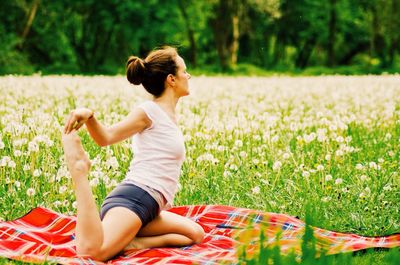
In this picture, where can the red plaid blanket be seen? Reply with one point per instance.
(43, 234)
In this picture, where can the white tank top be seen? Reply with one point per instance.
(159, 152)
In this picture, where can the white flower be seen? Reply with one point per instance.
(33, 147)
(338, 181)
(238, 143)
(328, 177)
(277, 165)
(387, 187)
(233, 167)
(286, 156)
(75, 204)
(328, 157)
(359, 166)
(305, 174)
(17, 153)
(62, 189)
(2, 145)
(37, 172)
(326, 199)
(94, 182)
(112, 162)
(26, 167)
(381, 160)
(320, 167)
(30, 192)
(363, 178)
(373, 165)
(11, 164)
(339, 139)
(391, 153)
(17, 184)
(255, 161)
(243, 154)
(275, 139)
(255, 190)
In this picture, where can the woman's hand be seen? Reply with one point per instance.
(77, 118)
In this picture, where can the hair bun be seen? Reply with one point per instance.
(135, 70)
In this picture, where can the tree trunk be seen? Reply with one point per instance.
(332, 33)
(305, 53)
(235, 39)
(30, 17)
(221, 25)
(190, 32)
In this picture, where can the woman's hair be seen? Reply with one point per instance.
(153, 70)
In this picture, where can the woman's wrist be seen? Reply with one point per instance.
(91, 115)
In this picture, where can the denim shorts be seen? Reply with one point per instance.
(133, 198)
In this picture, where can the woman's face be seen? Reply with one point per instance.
(182, 78)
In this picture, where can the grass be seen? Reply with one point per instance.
(273, 144)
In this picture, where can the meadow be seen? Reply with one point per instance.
(275, 144)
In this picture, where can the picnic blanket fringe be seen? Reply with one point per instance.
(45, 235)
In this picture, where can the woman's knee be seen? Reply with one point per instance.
(197, 234)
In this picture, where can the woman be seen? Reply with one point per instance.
(132, 214)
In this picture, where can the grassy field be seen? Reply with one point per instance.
(274, 144)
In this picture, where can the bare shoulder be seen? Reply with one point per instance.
(140, 117)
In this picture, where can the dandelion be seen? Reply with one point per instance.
(255, 190)
(30, 192)
(277, 165)
(17, 153)
(391, 153)
(11, 164)
(17, 184)
(238, 143)
(320, 167)
(373, 165)
(2, 145)
(359, 167)
(275, 139)
(243, 154)
(328, 178)
(387, 187)
(326, 199)
(94, 182)
(33, 147)
(62, 189)
(363, 178)
(75, 204)
(233, 167)
(328, 157)
(338, 181)
(37, 172)
(381, 160)
(255, 161)
(112, 162)
(305, 174)
(26, 167)
(286, 156)
(339, 139)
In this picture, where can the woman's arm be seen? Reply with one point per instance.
(135, 122)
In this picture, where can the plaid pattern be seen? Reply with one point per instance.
(43, 234)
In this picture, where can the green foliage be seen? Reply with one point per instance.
(91, 37)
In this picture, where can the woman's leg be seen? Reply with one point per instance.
(168, 230)
(100, 240)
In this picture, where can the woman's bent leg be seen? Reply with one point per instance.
(168, 230)
(100, 240)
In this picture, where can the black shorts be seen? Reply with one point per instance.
(135, 199)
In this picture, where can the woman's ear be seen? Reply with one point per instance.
(170, 80)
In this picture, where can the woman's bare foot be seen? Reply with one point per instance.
(77, 160)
